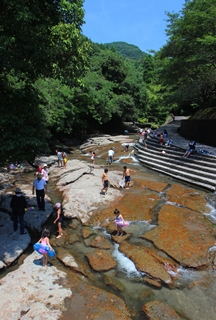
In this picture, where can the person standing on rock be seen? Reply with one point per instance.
(119, 221)
(44, 240)
(18, 205)
(45, 173)
(60, 159)
(110, 156)
(92, 153)
(126, 176)
(41, 188)
(59, 219)
(105, 181)
(64, 157)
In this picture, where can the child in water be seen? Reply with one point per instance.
(59, 219)
(44, 240)
(119, 221)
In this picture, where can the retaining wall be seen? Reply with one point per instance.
(203, 131)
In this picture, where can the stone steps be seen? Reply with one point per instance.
(198, 169)
(177, 159)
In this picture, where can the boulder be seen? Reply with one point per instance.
(101, 260)
(101, 243)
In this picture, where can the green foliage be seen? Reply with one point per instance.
(40, 42)
(189, 56)
(127, 50)
(23, 133)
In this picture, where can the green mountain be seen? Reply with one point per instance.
(127, 50)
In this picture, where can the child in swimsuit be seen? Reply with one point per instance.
(59, 219)
(44, 240)
(119, 221)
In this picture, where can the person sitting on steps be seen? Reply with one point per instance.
(191, 149)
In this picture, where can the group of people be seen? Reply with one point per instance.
(62, 159)
(126, 177)
(44, 240)
(19, 206)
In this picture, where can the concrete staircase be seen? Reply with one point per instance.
(198, 169)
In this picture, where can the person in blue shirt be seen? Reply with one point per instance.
(41, 188)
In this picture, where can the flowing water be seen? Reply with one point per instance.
(180, 297)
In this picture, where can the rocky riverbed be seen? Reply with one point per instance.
(166, 245)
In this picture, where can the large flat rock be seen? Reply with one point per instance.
(81, 190)
(33, 291)
(183, 234)
(145, 262)
(13, 244)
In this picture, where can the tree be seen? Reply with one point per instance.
(189, 56)
(37, 39)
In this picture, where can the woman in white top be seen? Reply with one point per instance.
(45, 173)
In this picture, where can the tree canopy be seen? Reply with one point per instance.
(37, 39)
(188, 58)
(55, 81)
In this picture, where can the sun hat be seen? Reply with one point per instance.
(58, 205)
(45, 165)
(18, 190)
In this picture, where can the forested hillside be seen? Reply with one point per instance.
(127, 50)
(54, 81)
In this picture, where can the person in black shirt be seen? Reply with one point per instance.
(18, 205)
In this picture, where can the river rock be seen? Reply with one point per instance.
(114, 282)
(152, 282)
(74, 170)
(103, 141)
(13, 244)
(183, 234)
(154, 185)
(120, 239)
(100, 243)
(90, 302)
(6, 181)
(156, 310)
(198, 302)
(144, 262)
(188, 198)
(49, 160)
(101, 260)
(87, 232)
(34, 219)
(73, 238)
(82, 193)
(33, 291)
(141, 208)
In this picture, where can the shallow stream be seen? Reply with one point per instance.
(180, 297)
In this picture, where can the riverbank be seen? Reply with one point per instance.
(169, 233)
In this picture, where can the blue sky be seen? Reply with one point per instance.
(138, 22)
